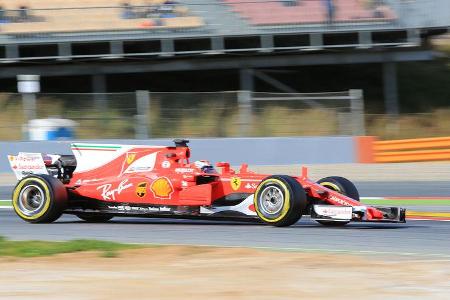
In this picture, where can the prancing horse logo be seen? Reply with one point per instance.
(235, 183)
(130, 158)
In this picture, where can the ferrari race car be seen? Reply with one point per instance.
(102, 181)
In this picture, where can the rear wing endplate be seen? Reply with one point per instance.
(25, 164)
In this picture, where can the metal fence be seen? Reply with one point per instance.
(217, 114)
(210, 17)
(145, 114)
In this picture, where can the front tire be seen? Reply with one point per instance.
(343, 186)
(280, 200)
(39, 199)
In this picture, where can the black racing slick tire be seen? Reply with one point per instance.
(95, 218)
(280, 200)
(39, 198)
(343, 186)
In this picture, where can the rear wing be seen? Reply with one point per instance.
(25, 164)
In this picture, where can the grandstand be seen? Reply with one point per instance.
(310, 12)
(55, 37)
(53, 16)
(224, 25)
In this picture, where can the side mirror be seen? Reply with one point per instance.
(222, 164)
(243, 169)
(225, 167)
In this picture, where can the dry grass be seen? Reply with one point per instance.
(436, 123)
(213, 120)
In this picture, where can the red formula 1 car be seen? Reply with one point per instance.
(100, 181)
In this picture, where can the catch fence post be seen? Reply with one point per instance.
(28, 86)
(245, 112)
(357, 112)
(143, 115)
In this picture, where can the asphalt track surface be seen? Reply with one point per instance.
(423, 238)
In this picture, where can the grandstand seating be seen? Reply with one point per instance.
(92, 15)
(308, 12)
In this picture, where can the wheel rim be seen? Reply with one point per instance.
(332, 187)
(31, 200)
(271, 200)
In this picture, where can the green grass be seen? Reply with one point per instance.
(5, 203)
(45, 248)
(409, 202)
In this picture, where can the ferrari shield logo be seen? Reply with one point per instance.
(235, 183)
(130, 158)
(141, 189)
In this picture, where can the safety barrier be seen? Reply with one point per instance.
(254, 151)
(274, 151)
(412, 150)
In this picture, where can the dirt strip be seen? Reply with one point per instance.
(177, 272)
(7, 179)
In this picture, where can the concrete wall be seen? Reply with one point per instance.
(254, 151)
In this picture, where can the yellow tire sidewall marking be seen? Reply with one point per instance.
(286, 204)
(16, 194)
(331, 186)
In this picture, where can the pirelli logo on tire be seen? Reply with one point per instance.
(280, 200)
(40, 194)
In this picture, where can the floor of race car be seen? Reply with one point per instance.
(183, 272)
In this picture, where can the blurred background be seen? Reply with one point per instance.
(136, 69)
(355, 88)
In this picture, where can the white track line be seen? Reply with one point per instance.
(413, 219)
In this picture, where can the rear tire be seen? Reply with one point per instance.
(343, 186)
(280, 200)
(39, 199)
(95, 218)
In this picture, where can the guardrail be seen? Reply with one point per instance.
(411, 150)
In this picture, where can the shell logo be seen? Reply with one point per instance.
(162, 188)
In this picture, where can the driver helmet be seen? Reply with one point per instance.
(205, 166)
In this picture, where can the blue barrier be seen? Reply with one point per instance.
(254, 151)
